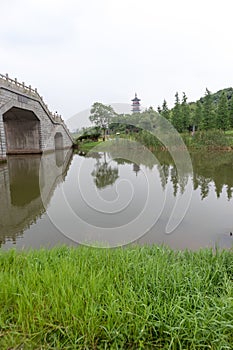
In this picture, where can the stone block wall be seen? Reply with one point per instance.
(13, 96)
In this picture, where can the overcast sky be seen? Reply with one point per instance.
(79, 52)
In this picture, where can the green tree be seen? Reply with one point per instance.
(185, 111)
(177, 114)
(159, 109)
(165, 112)
(101, 115)
(209, 118)
(145, 123)
(197, 116)
(231, 111)
(153, 116)
(150, 110)
(223, 120)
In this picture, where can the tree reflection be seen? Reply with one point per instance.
(215, 168)
(104, 174)
(209, 169)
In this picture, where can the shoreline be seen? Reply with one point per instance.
(87, 147)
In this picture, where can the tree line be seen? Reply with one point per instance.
(213, 111)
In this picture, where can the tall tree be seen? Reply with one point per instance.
(165, 112)
(223, 120)
(159, 109)
(231, 111)
(185, 111)
(177, 114)
(101, 115)
(209, 118)
(197, 117)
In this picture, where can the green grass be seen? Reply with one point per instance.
(87, 146)
(206, 140)
(211, 139)
(133, 298)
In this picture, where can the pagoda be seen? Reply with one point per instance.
(136, 104)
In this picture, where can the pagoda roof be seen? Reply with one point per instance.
(136, 98)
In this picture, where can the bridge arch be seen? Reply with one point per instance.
(15, 134)
(22, 131)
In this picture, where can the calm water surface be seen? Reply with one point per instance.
(65, 198)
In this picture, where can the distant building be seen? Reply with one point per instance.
(136, 104)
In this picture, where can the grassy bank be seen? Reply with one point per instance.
(133, 298)
(87, 145)
(202, 140)
(211, 139)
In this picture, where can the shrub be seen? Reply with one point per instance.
(210, 138)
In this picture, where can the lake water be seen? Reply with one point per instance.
(111, 197)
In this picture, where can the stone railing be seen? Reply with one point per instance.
(28, 90)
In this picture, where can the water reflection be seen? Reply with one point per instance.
(208, 222)
(208, 168)
(20, 181)
(209, 218)
(104, 174)
(24, 180)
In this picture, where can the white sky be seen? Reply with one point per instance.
(78, 52)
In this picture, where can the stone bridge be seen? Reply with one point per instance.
(26, 124)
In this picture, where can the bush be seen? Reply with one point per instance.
(210, 138)
(147, 139)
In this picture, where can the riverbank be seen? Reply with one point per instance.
(86, 146)
(211, 140)
(132, 298)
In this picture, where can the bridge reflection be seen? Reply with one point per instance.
(22, 179)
